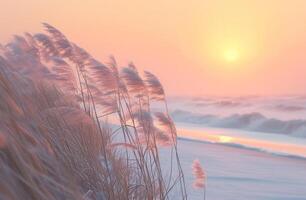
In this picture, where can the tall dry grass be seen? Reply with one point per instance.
(73, 127)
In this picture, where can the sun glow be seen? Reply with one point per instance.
(227, 48)
(231, 55)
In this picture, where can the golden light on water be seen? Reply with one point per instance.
(215, 137)
(225, 139)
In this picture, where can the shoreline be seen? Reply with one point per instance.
(280, 145)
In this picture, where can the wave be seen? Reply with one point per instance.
(221, 104)
(288, 108)
(254, 121)
(235, 145)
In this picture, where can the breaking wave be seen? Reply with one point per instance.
(254, 121)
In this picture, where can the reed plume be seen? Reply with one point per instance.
(200, 176)
(155, 87)
(73, 127)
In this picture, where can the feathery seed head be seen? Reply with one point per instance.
(199, 174)
(155, 88)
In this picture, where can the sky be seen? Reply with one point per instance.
(195, 47)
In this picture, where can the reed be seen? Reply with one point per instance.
(73, 127)
(200, 176)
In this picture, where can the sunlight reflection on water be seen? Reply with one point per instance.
(280, 145)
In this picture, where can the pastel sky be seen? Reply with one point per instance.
(196, 47)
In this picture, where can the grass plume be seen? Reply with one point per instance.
(73, 127)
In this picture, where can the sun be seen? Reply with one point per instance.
(231, 55)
